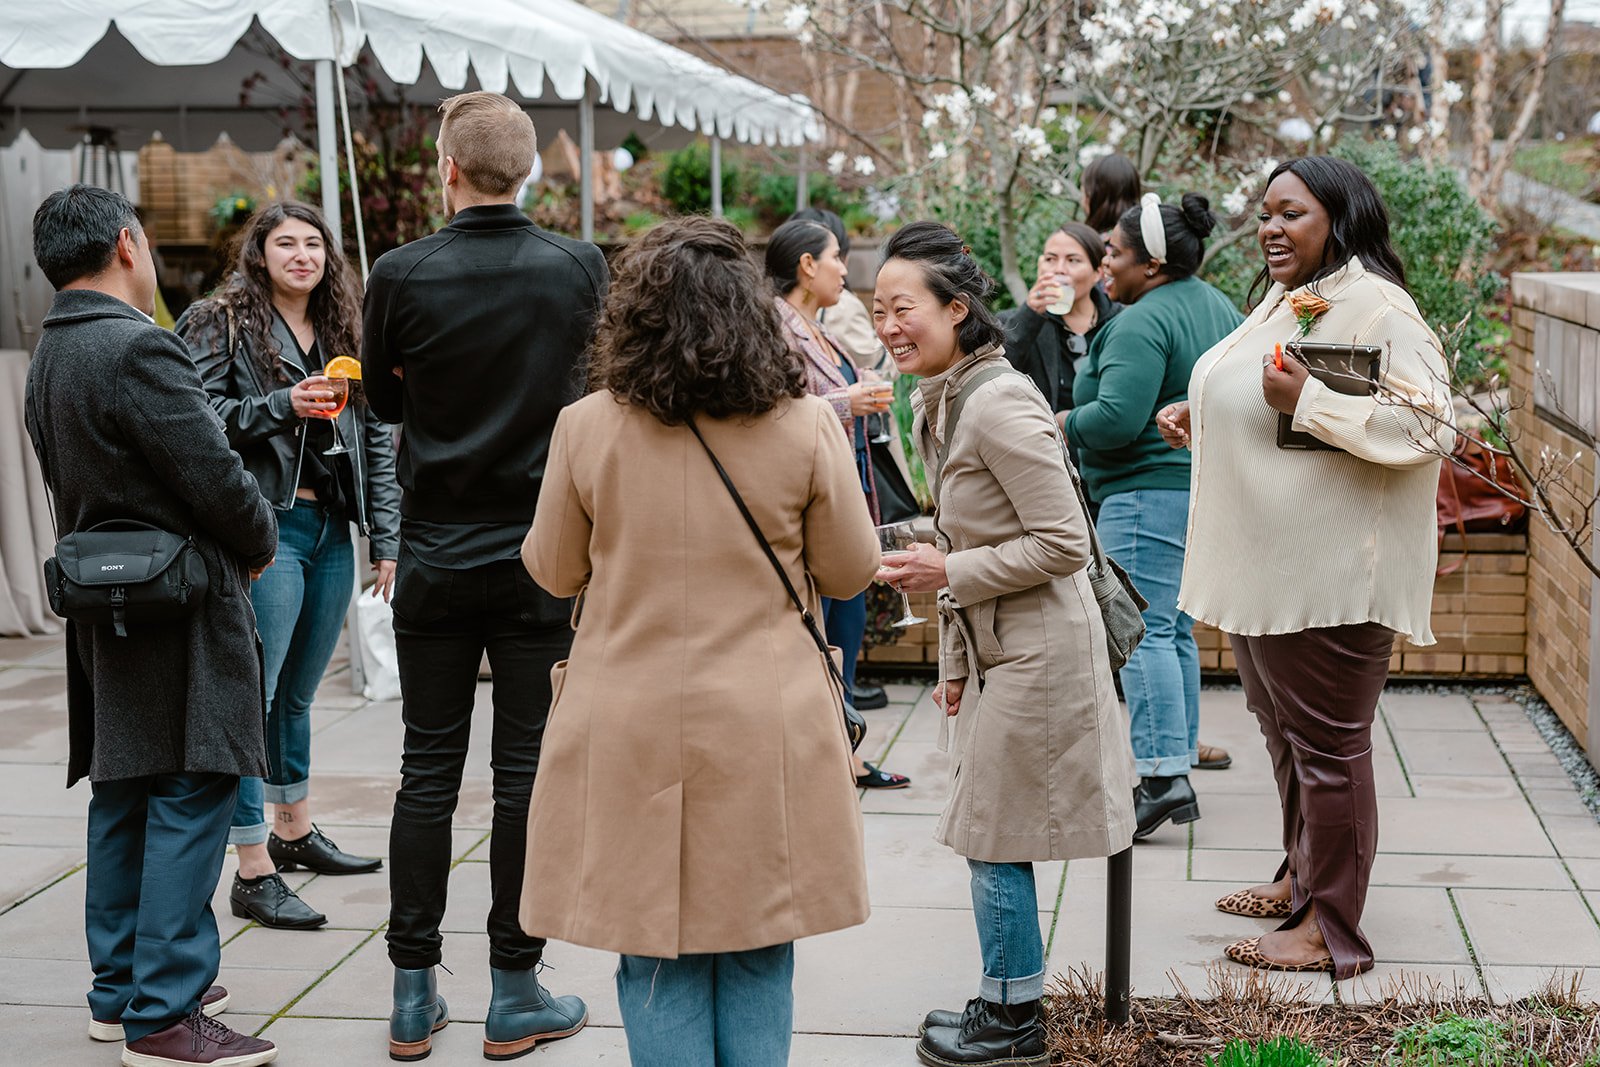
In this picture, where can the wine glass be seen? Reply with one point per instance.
(341, 372)
(879, 423)
(898, 537)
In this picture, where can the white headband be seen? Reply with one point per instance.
(1151, 228)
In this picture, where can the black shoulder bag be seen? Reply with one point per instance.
(854, 725)
(121, 571)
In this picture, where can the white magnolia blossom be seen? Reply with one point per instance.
(956, 103)
(1284, 97)
(1091, 152)
(1451, 92)
(1267, 166)
(1295, 129)
(1414, 135)
(1368, 10)
(1389, 133)
(1348, 23)
(1048, 115)
(940, 150)
(864, 165)
(1274, 37)
(1115, 132)
(1313, 12)
(930, 119)
(984, 96)
(1057, 187)
(1024, 101)
(1032, 139)
(796, 16)
(1235, 203)
(1436, 128)
(836, 163)
(1325, 133)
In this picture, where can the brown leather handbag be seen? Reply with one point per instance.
(1468, 502)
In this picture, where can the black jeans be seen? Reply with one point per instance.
(444, 621)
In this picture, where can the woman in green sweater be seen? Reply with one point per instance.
(1138, 363)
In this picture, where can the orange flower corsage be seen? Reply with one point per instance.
(1308, 307)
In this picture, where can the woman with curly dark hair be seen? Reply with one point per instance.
(694, 809)
(260, 340)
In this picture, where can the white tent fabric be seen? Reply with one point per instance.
(541, 51)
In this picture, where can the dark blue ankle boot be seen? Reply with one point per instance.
(419, 1012)
(522, 1013)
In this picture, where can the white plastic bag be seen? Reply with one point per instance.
(375, 632)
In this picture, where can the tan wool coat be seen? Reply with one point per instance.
(1041, 766)
(695, 792)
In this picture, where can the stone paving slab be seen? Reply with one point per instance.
(1476, 821)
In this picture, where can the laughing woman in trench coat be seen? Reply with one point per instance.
(695, 808)
(1041, 767)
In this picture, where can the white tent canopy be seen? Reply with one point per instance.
(179, 65)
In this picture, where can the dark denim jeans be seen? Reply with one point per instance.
(727, 1009)
(444, 622)
(300, 603)
(845, 623)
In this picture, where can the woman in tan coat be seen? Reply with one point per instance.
(1041, 767)
(694, 808)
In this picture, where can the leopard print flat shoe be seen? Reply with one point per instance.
(1243, 902)
(1248, 952)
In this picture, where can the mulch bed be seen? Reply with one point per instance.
(1182, 1031)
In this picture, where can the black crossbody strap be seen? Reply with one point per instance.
(772, 557)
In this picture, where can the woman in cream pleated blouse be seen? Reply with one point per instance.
(1312, 561)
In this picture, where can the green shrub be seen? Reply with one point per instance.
(1274, 1052)
(772, 194)
(686, 179)
(1457, 1041)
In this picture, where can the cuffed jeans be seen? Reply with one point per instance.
(300, 603)
(155, 852)
(728, 1009)
(1144, 531)
(444, 622)
(1005, 904)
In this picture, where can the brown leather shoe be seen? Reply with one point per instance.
(1212, 758)
(213, 1001)
(198, 1038)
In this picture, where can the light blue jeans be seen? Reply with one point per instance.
(1144, 531)
(727, 1009)
(1005, 904)
(300, 604)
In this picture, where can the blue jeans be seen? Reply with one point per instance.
(1144, 531)
(300, 604)
(728, 1009)
(845, 622)
(1006, 906)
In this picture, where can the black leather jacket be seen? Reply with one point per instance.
(262, 427)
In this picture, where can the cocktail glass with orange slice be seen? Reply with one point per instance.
(341, 371)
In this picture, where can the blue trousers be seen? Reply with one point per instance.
(845, 622)
(300, 604)
(728, 1009)
(1005, 903)
(155, 852)
(1144, 531)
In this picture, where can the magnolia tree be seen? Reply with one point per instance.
(1003, 102)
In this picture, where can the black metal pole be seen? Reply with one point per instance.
(1119, 934)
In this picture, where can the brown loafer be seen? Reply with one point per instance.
(1212, 758)
(1248, 952)
(1243, 902)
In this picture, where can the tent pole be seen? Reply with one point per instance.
(716, 177)
(802, 198)
(328, 147)
(586, 162)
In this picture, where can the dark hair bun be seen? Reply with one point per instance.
(1197, 215)
(952, 273)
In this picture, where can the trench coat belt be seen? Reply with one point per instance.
(953, 617)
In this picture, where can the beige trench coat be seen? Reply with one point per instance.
(1041, 767)
(695, 792)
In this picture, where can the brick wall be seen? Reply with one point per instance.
(1559, 585)
(178, 189)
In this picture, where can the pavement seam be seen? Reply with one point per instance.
(1472, 950)
(1388, 728)
(1522, 788)
(298, 997)
(62, 877)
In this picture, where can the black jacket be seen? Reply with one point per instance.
(262, 427)
(489, 318)
(1034, 346)
(124, 430)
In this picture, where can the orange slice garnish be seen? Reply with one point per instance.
(343, 367)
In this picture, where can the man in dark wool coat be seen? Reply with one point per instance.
(163, 721)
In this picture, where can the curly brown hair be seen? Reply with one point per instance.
(334, 308)
(690, 327)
